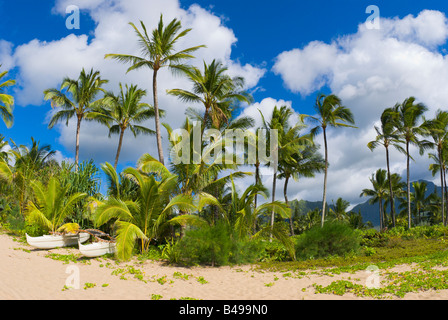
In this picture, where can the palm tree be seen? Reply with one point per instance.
(83, 93)
(330, 113)
(306, 164)
(407, 125)
(51, 206)
(125, 111)
(6, 100)
(420, 202)
(158, 52)
(290, 142)
(378, 193)
(438, 130)
(387, 137)
(28, 166)
(441, 167)
(144, 217)
(215, 90)
(339, 210)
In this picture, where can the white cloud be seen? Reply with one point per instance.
(370, 70)
(43, 64)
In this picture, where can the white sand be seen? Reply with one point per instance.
(31, 275)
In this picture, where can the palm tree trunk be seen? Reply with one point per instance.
(285, 192)
(391, 193)
(274, 183)
(157, 117)
(446, 197)
(325, 177)
(120, 142)
(257, 180)
(408, 184)
(441, 184)
(381, 215)
(78, 127)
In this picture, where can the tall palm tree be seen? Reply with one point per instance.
(215, 89)
(409, 129)
(158, 52)
(330, 113)
(125, 111)
(441, 166)
(306, 164)
(290, 142)
(386, 137)
(378, 193)
(6, 100)
(77, 100)
(438, 130)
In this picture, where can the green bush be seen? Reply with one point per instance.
(334, 238)
(215, 245)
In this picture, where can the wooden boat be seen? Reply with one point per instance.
(97, 249)
(57, 241)
(100, 247)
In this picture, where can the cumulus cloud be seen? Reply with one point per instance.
(43, 64)
(370, 70)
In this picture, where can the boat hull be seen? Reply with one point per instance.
(56, 241)
(97, 249)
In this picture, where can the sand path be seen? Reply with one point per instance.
(26, 273)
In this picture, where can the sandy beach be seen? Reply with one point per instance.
(27, 273)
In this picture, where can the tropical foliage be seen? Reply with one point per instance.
(194, 203)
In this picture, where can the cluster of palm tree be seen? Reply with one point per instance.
(400, 127)
(160, 198)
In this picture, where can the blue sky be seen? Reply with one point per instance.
(287, 50)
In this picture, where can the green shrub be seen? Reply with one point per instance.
(216, 245)
(334, 238)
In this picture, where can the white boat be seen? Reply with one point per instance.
(57, 241)
(97, 249)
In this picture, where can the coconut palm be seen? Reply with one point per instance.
(51, 206)
(386, 137)
(339, 210)
(144, 217)
(438, 130)
(289, 141)
(158, 52)
(441, 167)
(330, 113)
(215, 89)
(77, 100)
(306, 164)
(378, 193)
(6, 100)
(421, 203)
(125, 111)
(409, 129)
(29, 164)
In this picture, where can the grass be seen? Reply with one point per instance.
(395, 252)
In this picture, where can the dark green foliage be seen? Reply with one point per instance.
(334, 238)
(216, 246)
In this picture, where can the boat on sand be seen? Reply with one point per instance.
(57, 240)
(100, 246)
(97, 249)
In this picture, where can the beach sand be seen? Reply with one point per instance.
(26, 273)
